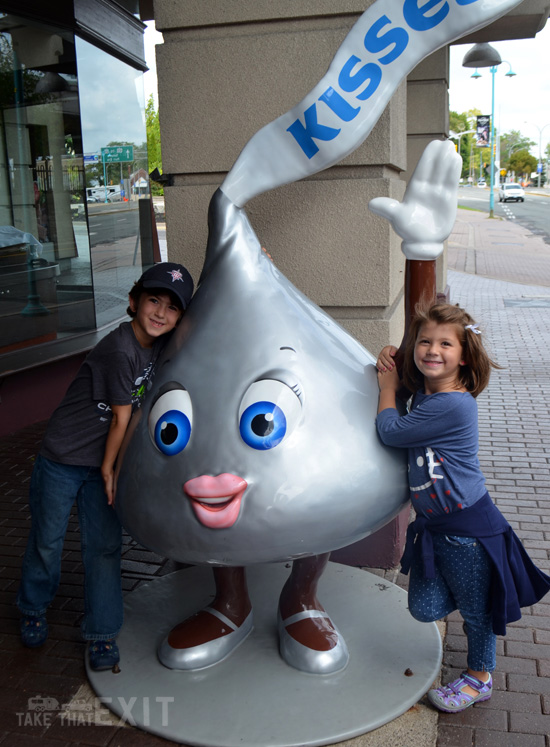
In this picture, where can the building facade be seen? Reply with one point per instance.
(72, 139)
(227, 69)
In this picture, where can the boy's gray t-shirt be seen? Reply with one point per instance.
(115, 372)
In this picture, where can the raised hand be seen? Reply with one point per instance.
(427, 214)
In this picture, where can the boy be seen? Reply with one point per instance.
(77, 458)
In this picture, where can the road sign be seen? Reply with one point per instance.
(117, 153)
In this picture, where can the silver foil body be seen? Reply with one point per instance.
(329, 483)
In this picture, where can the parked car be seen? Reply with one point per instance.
(511, 192)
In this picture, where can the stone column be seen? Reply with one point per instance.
(227, 69)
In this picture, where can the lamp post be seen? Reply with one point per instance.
(540, 129)
(484, 55)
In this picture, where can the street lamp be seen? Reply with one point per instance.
(484, 55)
(458, 135)
(540, 129)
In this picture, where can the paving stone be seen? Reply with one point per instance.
(452, 736)
(529, 723)
(486, 739)
(524, 684)
(514, 422)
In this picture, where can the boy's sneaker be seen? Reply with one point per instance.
(103, 654)
(34, 630)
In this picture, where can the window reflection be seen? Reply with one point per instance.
(115, 151)
(41, 183)
(69, 220)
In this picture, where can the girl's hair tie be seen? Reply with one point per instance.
(474, 328)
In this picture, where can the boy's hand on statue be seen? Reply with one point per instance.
(427, 214)
(389, 380)
(385, 361)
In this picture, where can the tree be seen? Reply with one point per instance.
(522, 162)
(154, 154)
(460, 123)
(510, 143)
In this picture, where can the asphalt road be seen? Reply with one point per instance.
(533, 214)
(113, 221)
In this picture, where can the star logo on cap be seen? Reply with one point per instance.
(176, 275)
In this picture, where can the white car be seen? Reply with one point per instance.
(511, 192)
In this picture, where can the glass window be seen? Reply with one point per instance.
(73, 171)
(114, 140)
(41, 189)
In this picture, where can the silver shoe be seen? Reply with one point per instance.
(209, 653)
(308, 659)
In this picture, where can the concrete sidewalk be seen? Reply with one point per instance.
(501, 274)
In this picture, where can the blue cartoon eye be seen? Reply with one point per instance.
(170, 422)
(268, 413)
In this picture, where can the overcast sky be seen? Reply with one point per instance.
(520, 99)
(152, 37)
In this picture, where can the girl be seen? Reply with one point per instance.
(461, 552)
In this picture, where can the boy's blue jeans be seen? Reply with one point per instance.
(462, 581)
(54, 488)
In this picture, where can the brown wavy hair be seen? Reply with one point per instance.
(475, 373)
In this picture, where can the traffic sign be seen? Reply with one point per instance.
(117, 153)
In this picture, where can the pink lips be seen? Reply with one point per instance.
(216, 501)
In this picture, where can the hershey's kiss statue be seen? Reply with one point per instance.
(257, 441)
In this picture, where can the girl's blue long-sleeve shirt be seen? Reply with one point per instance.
(441, 435)
(445, 478)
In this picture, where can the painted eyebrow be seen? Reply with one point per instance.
(287, 347)
(170, 386)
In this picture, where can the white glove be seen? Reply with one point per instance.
(427, 214)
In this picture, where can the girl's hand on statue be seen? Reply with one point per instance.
(385, 361)
(389, 380)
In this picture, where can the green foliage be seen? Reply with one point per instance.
(522, 162)
(17, 86)
(461, 123)
(458, 122)
(510, 143)
(154, 154)
(514, 148)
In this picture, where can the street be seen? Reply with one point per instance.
(112, 221)
(533, 214)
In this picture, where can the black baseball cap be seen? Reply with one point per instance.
(172, 277)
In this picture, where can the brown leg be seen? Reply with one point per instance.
(231, 600)
(300, 593)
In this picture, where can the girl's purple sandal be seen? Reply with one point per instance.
(451, 699)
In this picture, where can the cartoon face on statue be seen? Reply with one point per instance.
(257, 441)
(259, 385)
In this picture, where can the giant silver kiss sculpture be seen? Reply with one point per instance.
(257, 442)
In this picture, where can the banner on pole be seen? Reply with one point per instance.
(483, 130)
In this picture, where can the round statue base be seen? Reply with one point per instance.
(253, 697)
